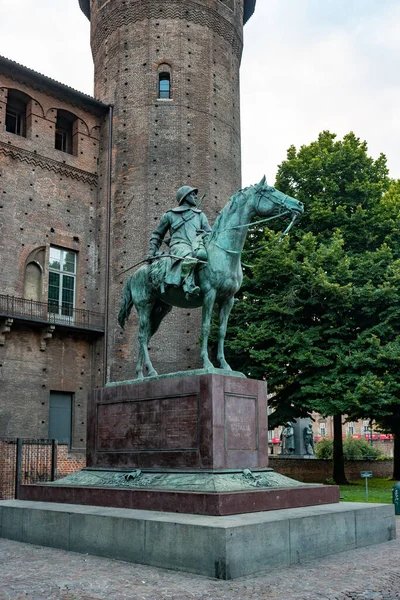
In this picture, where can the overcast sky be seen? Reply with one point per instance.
(308, 65)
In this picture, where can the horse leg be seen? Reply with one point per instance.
(139, 364)
(144, 336)
(208, 305)
(224, 313)
(158, 312)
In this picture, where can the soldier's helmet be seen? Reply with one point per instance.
(183, 192)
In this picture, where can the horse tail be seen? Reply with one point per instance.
(126, 303)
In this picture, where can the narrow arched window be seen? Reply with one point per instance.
(164, 86)
(65, 131)
(17, 103)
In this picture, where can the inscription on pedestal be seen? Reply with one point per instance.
(152, 425)
(240, 423)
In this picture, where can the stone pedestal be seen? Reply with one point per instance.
(220, 547)
(194, 443)
(204, 421)
(177, 477)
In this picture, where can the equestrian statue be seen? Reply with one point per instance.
(202, 266)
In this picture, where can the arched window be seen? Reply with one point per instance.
(164, 86)
(64, 131)
(17, 103)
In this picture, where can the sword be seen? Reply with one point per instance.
(145, 260)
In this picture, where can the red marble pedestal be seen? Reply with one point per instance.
(208, 428)
(194, 422)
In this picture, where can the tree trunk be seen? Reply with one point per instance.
(339, 475)
(396, 452)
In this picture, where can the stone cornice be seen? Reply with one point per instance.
(48, 164)
(121, 15)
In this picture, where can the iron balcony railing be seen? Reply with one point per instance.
(47, 312)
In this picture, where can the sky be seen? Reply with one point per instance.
(308, 65)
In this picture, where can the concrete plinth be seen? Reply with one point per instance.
(221, 547)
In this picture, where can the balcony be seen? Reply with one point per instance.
(21, 309)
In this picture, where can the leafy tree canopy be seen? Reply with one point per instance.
(319, 312)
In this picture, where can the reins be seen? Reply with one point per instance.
(255, 224)
(214, 234)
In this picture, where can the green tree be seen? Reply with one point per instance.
(312, 305)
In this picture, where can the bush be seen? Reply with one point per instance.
(353, 449)
(324, 448)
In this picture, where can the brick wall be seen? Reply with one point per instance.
(68, 462)
(36, 464)
(318, 471)
(48, 197)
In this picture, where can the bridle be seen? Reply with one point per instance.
(283, 211)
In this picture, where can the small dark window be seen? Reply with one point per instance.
(16, 113)
(64, 131)
(164, 86)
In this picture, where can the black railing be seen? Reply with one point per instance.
(44, 312)
(25, 461)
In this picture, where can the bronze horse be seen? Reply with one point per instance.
(219, 279)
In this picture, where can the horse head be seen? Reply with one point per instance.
(269, 200)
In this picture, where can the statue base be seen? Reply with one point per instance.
(178, 478)
(223, 548)
(216, 493)
(295, 456)
(193, 444)
(179, 375)
(204, 420)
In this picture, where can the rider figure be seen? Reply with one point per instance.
(186, 225)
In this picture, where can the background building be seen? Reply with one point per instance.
(51, 306)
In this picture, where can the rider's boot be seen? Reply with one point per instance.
(189, 286)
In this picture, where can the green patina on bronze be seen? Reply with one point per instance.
(213, 256)
(180, 374)
(180, 481)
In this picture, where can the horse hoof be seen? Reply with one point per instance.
(207, 364)
(225, 366)
(152, 373)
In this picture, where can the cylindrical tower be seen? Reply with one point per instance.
(171, 70)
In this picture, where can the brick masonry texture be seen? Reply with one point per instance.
(48, 197)
(318, 471)
(159, 145)
(35, 464)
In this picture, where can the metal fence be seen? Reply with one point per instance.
(25, 461)
(44, 312)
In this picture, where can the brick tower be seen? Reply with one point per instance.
(171, 70)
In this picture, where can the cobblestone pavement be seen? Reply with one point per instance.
(36, 573)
